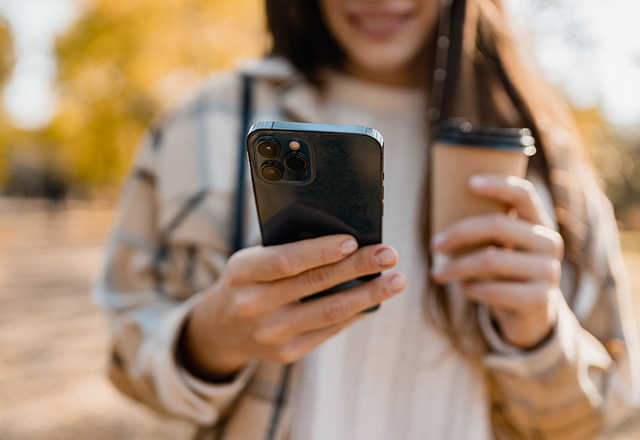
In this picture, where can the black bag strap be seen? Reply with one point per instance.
(447, 61)
(217, 432)
(237, 239)
(245, 119)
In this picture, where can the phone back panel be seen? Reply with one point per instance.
(341, 190)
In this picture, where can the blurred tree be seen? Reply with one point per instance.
(7, 60)
(616, 157)
(124, 59)
(7, 54)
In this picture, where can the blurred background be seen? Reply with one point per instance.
(80, 80)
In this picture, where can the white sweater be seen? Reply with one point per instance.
(391, 375)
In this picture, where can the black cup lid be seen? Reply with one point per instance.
(461, 131)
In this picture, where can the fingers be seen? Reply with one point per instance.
(514, 296)
(332, 309)
(498, 264)
(366, 261)
(296, 348)
(499, 229)
(270, 263)
(515, 192)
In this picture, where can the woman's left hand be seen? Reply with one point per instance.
(518, 270)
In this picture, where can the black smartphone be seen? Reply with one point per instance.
(312, 180)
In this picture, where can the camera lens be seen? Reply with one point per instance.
(268, 148)
(295, 162)
(272, 172)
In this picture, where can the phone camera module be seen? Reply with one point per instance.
(272, 172)
(268, 148)
(296, 162)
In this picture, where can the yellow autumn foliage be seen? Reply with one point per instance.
(124, 60)
(7, 55)
(7, 60)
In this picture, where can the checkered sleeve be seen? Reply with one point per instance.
(146, 299)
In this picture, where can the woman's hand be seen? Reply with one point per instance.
(253, 310)
(518, 269)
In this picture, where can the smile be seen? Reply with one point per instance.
(379, 22)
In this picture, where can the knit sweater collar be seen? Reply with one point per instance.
(304, 102)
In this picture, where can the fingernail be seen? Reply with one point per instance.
(437, 240)
(348, 246)
(396, 283)
(384, 257)
(437, 271)
(479, 181)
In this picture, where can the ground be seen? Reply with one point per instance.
(53, 343)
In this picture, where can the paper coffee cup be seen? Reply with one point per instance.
(460, 151)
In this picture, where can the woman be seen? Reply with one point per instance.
(547, 353)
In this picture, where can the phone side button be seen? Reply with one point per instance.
(382, 215)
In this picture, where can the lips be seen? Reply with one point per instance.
(380, 20)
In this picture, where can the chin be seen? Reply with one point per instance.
(385, 63)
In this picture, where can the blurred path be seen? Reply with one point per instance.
(53, 343)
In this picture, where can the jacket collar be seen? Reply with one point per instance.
(298, 99)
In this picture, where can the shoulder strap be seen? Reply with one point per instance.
(245, 119)
(447, 60)
(238, 236)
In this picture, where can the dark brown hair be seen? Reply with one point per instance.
(493, 87)
(301, 36)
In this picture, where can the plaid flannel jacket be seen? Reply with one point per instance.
(171, 239)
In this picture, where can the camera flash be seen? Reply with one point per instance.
(294, 145)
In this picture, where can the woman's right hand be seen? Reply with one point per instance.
(253, 310)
